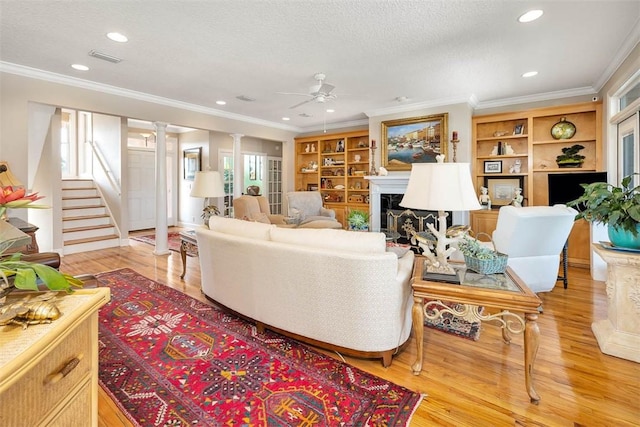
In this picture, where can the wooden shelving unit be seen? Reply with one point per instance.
(537, 151)
(335, 165)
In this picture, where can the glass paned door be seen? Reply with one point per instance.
(226, 166)
(629, 148)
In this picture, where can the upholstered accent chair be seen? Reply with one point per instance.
(255, 208)
(534, 237)
(306, 207)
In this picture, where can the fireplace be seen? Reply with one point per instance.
(389, 190)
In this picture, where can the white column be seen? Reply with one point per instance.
(237, 165)
(162, 232)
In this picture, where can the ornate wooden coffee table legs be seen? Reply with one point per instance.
(417, 316)
(531, 344)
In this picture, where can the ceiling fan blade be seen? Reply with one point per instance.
(301, 103)
(293, 93)
(326, 88)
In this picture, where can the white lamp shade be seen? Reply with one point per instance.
(440, 187)
(207, 184)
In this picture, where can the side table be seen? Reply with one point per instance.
(188, 243)
(30, 230)
(504, 291)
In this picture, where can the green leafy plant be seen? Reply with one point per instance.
(604, 203)
(358, 220)
(473, 248)
(18, 274)
(570, 156)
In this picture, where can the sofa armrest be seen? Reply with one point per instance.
(327, 212)
(405, 267)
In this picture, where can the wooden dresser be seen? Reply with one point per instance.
(32, 390)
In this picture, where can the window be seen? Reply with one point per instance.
(629, 148)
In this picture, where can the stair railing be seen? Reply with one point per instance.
(105, 167)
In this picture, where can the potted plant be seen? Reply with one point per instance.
(570, 157)
(358, 220)
(481, 258)
(617, 207)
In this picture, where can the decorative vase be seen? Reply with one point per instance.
(624, 239)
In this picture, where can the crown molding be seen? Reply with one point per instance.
(421, 105)
(580, 91)
(7, 67)
(623, 53)
(338, 125)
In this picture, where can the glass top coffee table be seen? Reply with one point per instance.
(505, 292)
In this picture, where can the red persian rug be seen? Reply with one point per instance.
(173, 243)
(169, 360)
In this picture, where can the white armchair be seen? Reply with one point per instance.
(306, 207)
(533, 237)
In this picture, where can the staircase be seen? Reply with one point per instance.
(86, 222)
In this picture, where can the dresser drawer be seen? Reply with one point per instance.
(35, 394)
(77, 413)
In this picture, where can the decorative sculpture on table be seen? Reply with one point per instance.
(517, 198)
(484, 199)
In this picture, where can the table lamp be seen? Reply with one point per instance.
(208, 184)
(440, 187)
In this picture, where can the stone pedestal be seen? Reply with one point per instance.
(619, 334)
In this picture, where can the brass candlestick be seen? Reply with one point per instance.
(373, 159)
(454, 142)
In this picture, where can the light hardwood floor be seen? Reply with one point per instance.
(466, 383)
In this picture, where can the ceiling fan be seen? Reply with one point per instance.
(320, 92)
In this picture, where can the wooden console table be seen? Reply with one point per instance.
(30, 230)
(619, 334)
(505, 292)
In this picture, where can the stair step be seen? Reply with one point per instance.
(72, 212)
(77, 183)
(79, 192)
(86, 228)
(92, 245)
(90, 239)
(80, 202)
(87, 233)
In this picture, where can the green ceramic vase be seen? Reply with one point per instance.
(624, 239)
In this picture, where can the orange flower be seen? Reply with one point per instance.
(10, 198)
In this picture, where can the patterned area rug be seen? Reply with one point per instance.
(169, 360)
(173, 243)
(454, 325)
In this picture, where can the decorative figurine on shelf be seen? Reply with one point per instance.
(313, 148)
(517, 198)
(508, 150)
(382, 171)
(494, 152)
(484, 199)
(516, 166)
(340, 146)
(307, 149)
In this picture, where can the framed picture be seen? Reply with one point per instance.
(413, 140)
(502, 190)
(192, 161)
(518, 129)
(493, 166)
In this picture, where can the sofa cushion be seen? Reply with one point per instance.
(237, 227)
(339, 240)
(260, 217)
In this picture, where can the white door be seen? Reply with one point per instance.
(141, 188)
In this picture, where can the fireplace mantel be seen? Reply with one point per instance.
(395, 183)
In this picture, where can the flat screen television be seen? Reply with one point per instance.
(565, 187)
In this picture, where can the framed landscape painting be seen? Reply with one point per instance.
(192, 162)
(502, 190)
(413, 140)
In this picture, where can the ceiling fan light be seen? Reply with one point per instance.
(531, 15)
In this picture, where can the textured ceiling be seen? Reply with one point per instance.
(373, 51)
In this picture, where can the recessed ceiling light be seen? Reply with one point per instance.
(286, 118)
(330, 110)
(117, 37)
(401, 98)
(80, 67)
(531, 15)
(530, 74)
(221, 102)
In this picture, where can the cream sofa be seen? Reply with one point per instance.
(334, 288)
